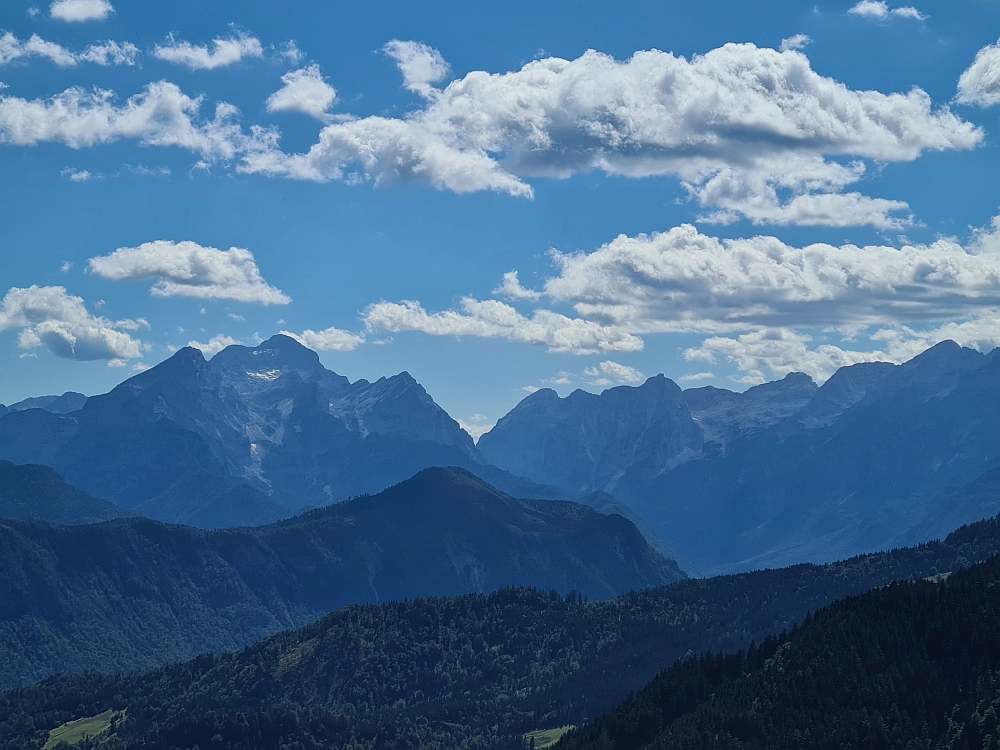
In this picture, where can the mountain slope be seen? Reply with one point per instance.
(134, 593)
(912, 665)
(245, 438)
(473, 671)
(586, 442)
(816, 488)
(64, 404)
(37, 493)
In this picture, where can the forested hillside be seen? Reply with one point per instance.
(133, 594)
(475, 671)
(915, 664)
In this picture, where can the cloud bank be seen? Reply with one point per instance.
(752, 133)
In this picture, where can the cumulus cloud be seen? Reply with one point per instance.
(879, 10)
(162, 115)
(75, 11)
(110, 53)
(223, 51)
(609, 372)
(420, 65)
(106, 53)
(214, 345)
(778, 352)
(768, 307)
(328, 340)
(494, 319)
(49, 316)
(187, 269)
(683, 280)
(751, 132)
(511, 287)
(304, 91)
(12, 48)
(980, 84)
(797, 41)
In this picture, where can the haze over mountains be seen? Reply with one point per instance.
(136, 593)
(784, 472)
(478, 671)
(247, 438)
(879, 455)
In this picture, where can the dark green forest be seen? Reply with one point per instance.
(910, 665)
(475, 671)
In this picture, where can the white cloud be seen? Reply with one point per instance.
(305, 91)
(291, 52)
(12, 48)
(77, 175)
(214, 345)
(106, 53)
(494, 319)
(66, 266)
(511, 287)
(80, 10)
(683, 280)
(49, 316)
(110, 53)
(797, 41)
(607, 372)
(420, 65)
(162, 115)
(530, 389)
(187, 269)
(561, 378)
(751, 132)
(980, 84)
(778, 352)
(328, 340)
(879, 10)
(223, 52)
(477, 426)
(696, 377)
(237, 317)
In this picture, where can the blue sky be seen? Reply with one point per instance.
(821, 197)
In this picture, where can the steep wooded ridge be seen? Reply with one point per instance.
(476, 671)
(916, 664)
(879, 456)
(246, 438)
(132, 594)
(37, 493)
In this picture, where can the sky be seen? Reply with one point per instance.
(497, 197)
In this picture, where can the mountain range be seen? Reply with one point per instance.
(134, 593)
(878, 456)
(247, 438)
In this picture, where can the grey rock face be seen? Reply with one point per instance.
(245, 438)
(586, 442)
